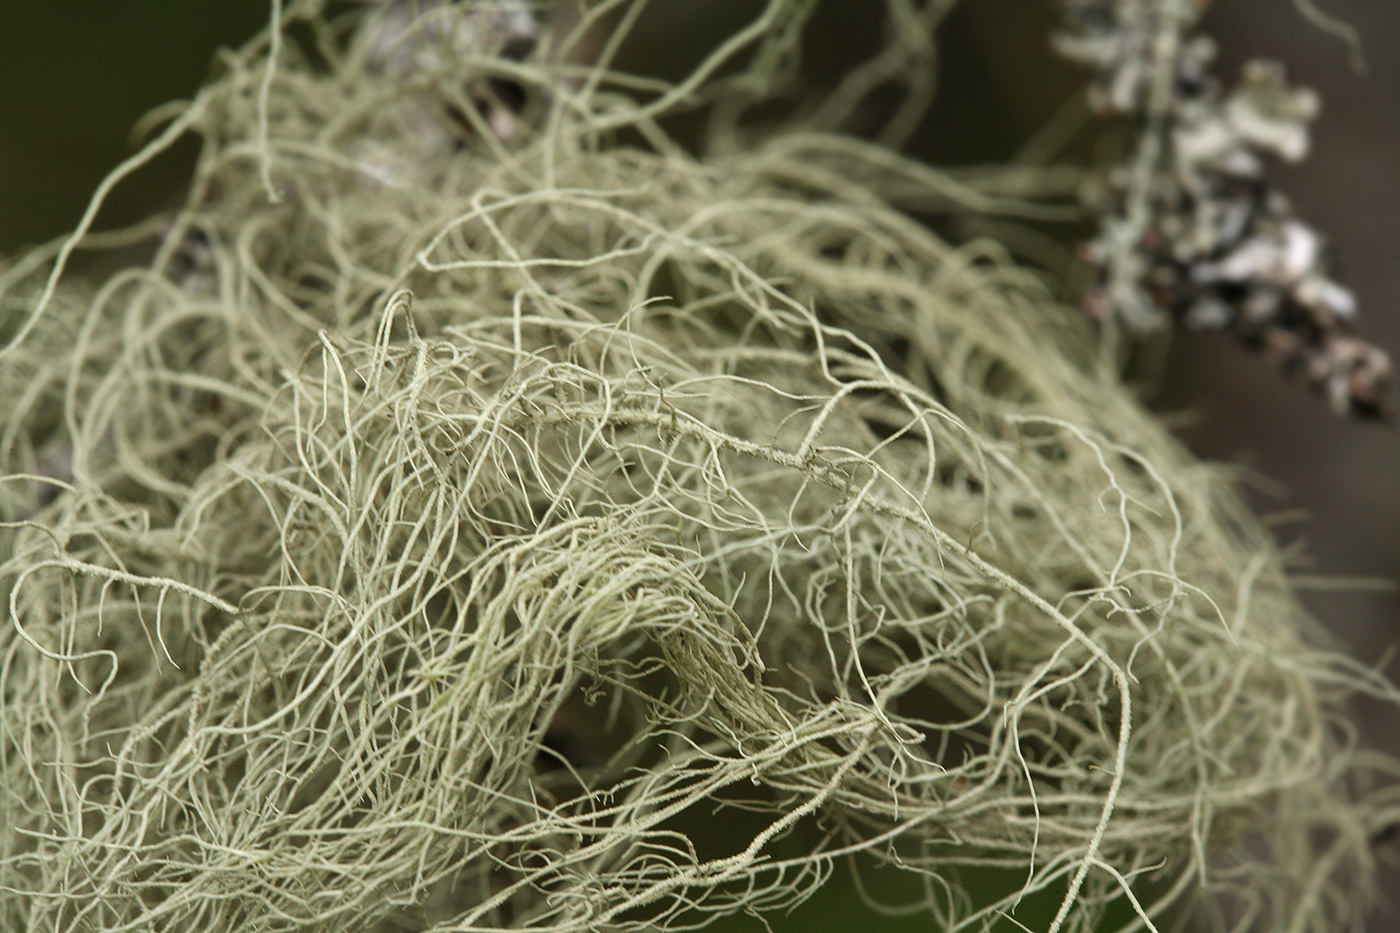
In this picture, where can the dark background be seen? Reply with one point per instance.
(75, 75)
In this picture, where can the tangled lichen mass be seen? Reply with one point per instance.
(515, 525)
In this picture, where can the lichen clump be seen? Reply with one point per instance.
(481, 514)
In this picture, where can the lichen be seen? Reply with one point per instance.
(531, 525)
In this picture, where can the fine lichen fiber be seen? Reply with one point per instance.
(483, 513)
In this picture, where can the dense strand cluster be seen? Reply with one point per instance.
(475, 518)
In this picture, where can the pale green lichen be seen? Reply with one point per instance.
(556, 534)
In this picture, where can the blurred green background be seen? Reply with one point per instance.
(75, 76)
